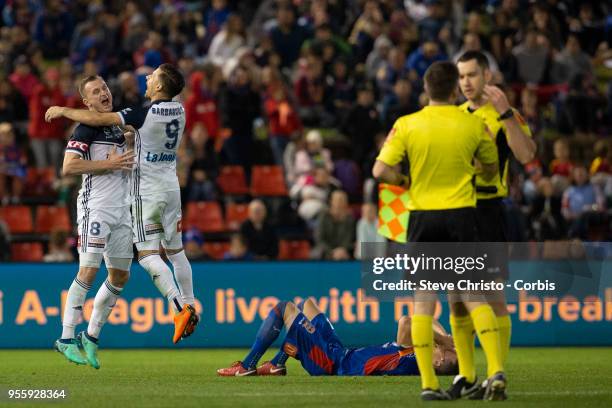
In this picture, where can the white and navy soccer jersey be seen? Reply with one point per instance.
(159, 129)
(103, 206)
(103, 190)
(156, 206)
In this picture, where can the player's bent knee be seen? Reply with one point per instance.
(87, 274)
(118, 277)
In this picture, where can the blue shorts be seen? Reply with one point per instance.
(384, 359)
(315, 344)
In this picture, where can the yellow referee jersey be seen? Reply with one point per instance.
(499, 186)
(441, 142)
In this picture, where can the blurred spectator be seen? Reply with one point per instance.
(378, 56)
(394, 69)
(128, 93)
(583, 105)
(342, 88)
(201, 187)
(13, 107)
(547, 24)
(23, 79)
(402, 101)
(239, 105)
(201, 104)
(471, 42)
(572, 61)
(192, 242)
(214, 19)
(227, 41)
(238, 250)
(583, 204)
(288, 36)
(335, 232)
(53, 30)
(434, 20)
(531, 58)
(424, 56)
(602, 163)
(313, 94)
(59, 248)
(561, 167)
(367, 228)
(46, 139)
(202, 151)
(366, 29)
(362, 123)
(259, 235)
(312, 193)
(12, 166)
(283, 121)
(545, 215)
(314, 155)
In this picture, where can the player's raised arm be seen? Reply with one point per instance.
(523, 147)
(86, 117)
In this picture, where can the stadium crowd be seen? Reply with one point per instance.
(288, 103)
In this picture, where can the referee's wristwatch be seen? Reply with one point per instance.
(506, 115)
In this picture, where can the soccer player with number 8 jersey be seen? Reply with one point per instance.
(156, 203)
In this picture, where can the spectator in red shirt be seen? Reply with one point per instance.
(561, 166)
(12, 165)
(46, 139)
(23, 79)
(201, 105)
(283, 121)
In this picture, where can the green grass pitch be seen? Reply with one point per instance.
(543, 377)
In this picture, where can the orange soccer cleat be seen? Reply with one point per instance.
(185, 320)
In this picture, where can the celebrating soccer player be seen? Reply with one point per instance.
(156, 203)
(312, 340)
(100, 155)
(512, 136)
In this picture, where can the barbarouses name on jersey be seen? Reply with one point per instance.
(167, 111)
(160, 157)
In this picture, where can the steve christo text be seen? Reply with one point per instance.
(463, 285)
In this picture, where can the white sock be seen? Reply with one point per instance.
(73, 309)
(182, 272)
(163, 279)
(103, 305)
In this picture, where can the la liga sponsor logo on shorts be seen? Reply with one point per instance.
(151, 229)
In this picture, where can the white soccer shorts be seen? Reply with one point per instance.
(158, 216)
(105, 230)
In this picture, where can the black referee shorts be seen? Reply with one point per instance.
(455, 225)
(491, 220)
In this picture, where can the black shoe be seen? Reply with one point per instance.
(480, 392)
(496, 388)
(462, 388)
(434, 395)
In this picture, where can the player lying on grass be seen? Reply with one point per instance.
(312, 340)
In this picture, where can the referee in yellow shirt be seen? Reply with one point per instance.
(512, 136)
(441, 143)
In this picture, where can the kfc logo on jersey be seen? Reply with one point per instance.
(74, 144)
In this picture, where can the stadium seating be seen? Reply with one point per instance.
(235, 214)
(205, 216)
(232, 181)
(27, 252)
(49, 218)
(39, 181)
(18, 218)
(268, 181)
(294, 250)
(215, 250)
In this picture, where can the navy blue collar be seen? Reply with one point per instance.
(160, 101)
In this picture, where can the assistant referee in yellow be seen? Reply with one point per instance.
(444, 146)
